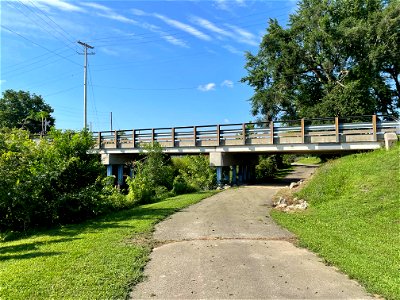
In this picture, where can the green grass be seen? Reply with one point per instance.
(310, 160)
(354, 218)
(100, 259)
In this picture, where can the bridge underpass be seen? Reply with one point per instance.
(235, 147)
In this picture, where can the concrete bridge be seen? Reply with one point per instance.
(236, 146)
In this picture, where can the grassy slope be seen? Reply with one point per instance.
(354, 219)
(94, 260)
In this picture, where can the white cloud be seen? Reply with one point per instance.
(227, 4)
(227, 83)
(244, 36)
(211, 26)
(138, 12)
(233, 50)
(117, 17)
(109, 51)
(173, 40)
(226, 121)
(184, 27)
(2, 81)
(207, 87)
(96, 6)
(59, 4)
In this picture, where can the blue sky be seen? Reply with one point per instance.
(156, 63)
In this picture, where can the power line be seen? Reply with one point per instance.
(39, 45)
(33, 20)
(72, 40)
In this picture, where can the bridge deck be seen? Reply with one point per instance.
(284, 136)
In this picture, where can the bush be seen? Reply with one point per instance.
(181, 186)
(196, 171)
(50, 181)
(266, 168)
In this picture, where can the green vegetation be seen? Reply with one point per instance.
(99, 259)
(50, 181)
(333, 58)
(354, 219)
(157, 176)
(309, 160)
(23, 110)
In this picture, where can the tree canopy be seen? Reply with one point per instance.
(335, 58)
(23, 110)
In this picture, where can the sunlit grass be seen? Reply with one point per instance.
(99, 259)
(354, 218)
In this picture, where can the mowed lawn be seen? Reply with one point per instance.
(99, 259)
(353, 221)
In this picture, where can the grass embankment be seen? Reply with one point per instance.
(354, 218)
(310, 160)
(100, 259)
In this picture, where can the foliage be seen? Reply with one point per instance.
(153, 176)
(266, 168)
(353, 220)
(50, 181)
(24, 111)
(335, 58)
(98, 259)
(196, 172)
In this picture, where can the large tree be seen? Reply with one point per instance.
(24, 110)
(335, 58)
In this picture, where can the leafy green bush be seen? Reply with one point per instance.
(195, 171)
(266, 168)
(50, 181)
(181, 186)
(153, 177)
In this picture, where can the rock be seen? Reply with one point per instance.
(293, 185)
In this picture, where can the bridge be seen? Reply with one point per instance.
(236, 146)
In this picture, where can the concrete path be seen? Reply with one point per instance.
(228, 247)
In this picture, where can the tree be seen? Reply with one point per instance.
(335, 58)
(23, 110)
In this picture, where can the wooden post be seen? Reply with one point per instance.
(133, 138)
(116, 138)
(374, 135)
(153, 136)
(99, 139)
(244, 133)
(337, 129)
(302, 131)
(194, 135)
(218, 135)
(173, 136)
(271, 130)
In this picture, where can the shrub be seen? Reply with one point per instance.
(50, 181)
(266, 168)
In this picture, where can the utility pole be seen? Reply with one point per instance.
(85, 47)
(111, 120)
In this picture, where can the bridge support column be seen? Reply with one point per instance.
(109, 170)
(226, 171)
(120, 177)
(219, 176)
(234, 177)
(240, 174)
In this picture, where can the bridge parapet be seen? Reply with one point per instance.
(298, 132)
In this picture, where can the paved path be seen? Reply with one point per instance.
(228, 247)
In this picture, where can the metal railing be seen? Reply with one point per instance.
(303, 131)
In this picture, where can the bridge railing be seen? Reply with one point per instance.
(303, 131)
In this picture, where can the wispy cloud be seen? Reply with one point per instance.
(167, 37)
(211, 26)
(184, 27)
(138, 12)
(2, 81)
(227, 83)
(227, 4)
(109, 51)
(244, 36)
(58, 4)
(207, 87)
(109, 13)
(233, 50)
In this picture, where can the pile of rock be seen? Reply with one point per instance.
(292, 205)
(285, 201)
